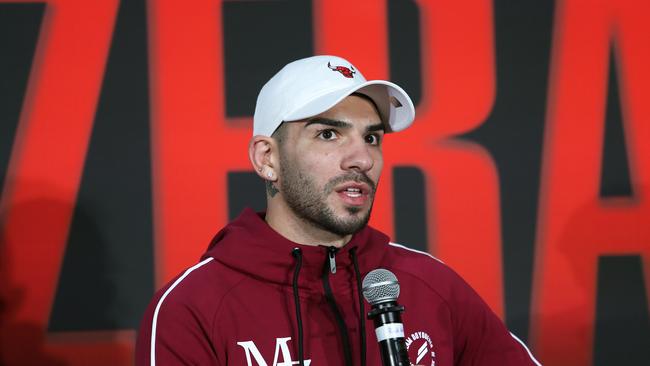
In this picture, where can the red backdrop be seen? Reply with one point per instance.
(194, 145)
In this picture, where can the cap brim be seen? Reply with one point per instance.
(395, 107)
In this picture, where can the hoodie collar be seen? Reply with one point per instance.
(249, 245)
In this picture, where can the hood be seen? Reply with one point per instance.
(249, 245)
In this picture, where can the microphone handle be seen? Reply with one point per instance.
(390, 333)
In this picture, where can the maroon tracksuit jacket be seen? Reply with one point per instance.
(237, 306)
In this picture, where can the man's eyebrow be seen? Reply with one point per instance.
(377, 127)
(328, 122)
(341, 124)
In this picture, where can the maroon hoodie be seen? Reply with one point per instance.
(237, 306)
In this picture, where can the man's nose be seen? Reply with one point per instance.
(357, 156)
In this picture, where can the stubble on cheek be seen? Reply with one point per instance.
(314, 203)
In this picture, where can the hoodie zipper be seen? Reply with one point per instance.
(330, 267)
(331, 254)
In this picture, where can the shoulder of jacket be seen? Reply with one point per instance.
(416, 262)
(464, 303)
(202, 286)
(428, 270)
(407, 252)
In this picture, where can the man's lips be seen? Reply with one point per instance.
(353, 188)
(352, 179)
(355, 194)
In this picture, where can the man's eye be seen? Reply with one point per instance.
(327, 135)
(372, 139)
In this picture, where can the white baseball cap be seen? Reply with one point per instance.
(310, 86)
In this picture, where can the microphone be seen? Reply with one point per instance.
(381, 290)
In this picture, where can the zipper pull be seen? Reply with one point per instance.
(331, 252)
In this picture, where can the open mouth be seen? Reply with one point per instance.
(352, 192)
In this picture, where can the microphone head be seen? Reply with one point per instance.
(380, 285)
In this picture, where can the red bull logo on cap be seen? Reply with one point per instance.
(348, 72)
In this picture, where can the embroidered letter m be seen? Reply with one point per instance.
(281, 348)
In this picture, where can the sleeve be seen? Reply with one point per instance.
(483, 339)
(174, 332)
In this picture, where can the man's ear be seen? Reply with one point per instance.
(262, 151)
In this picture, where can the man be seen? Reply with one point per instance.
(283, 287)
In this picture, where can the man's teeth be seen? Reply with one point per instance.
(353, 192)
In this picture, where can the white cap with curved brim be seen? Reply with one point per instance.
(310, 86)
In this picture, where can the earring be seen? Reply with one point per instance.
(269, 175)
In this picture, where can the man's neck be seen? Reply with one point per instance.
(300, 230)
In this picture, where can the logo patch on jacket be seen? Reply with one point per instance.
(282, 356)
(420, 349)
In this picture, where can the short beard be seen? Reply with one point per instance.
(303, 198)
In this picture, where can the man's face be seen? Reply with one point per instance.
(330, 166)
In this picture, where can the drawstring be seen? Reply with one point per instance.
(297, 253)
(362, 315)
